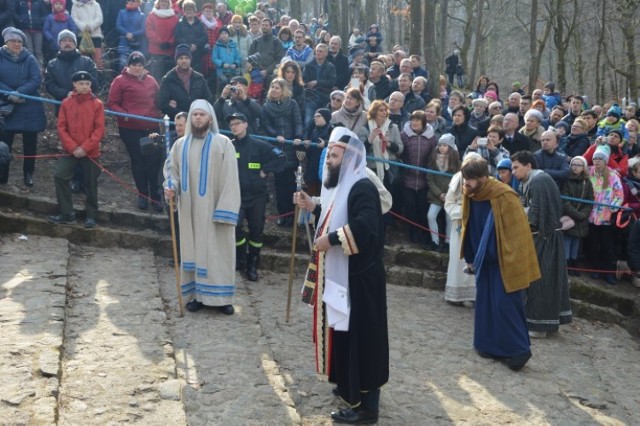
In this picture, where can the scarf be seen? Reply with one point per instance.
(185, 77)
(62, 15)
(380, 146)
(209, 24)
(442, 161)
(516, 253)
(163, 13)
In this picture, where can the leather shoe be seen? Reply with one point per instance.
(62, 219)
(354, 417)
(28, 179)
(90, 223)
(227, 309)
(194, 306)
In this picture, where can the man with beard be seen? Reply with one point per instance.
(345, 281)
(202, 172)
(498, 249)
(548, 297)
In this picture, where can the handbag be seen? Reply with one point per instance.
(86, 44)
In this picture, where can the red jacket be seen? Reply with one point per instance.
(81, 123)
(133, 95)
(161, 30)
(618, 161)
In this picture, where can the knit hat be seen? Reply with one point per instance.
(356, 51)
(67, 34)
(136, 58)
(617, 132)
(505, 163)
(338, 93)
(254, 59)
(562, 124)
(448, 139)
(491, 94)
(64, 2)
(325, 113)
(81, 76)
(516, 85)
(539, 102)
(223, 30)
(183, 50)
(480, 101)
(12, 33)
(615, 111)
(581, 159)
(632, 162)
(551, 86)
(603, 152)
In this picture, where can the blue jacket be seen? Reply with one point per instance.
(131, 21)
(35, 21)
(226, 54)
(22, 75)
(52, 28)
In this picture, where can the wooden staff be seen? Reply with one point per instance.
(293, 240)
(176, 265)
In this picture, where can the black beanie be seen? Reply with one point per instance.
(325, 113)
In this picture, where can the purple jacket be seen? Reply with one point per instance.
(52, 28)
(417, 151)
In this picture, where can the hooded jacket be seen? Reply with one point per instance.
(88, 17)
(282, 118)
(226, 53)
(34, 20)
(417, 151)
(133, 95)
(172, 89)
(81, 123)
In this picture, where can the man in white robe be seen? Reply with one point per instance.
(201, 171)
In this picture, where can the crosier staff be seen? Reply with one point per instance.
(176, 266)
(293, 241)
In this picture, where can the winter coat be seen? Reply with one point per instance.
(577, 187)
(417, 151)
(493, 156)
(57, 79)
(160, 34)
(438, 127)
(325, 75)
(631, 187)
(133, 95)
(438, 184)
(254, 156)
(343, 73)
(314, 152)
(172, 89)
(555, 164)
(249, 107)
(7, 11)
(270, 50)
(33, 21)
(226, 53)
(283, 118)
(52, 28)
(189, 34)
(604, 128)
(243, 42)
(576, 145)
(413, 102)
(131, 21)
(81, 124)
(464, 135)
(88, 17)
(613, 195)
(22, 74)
(618, 160)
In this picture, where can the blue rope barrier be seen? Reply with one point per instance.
(290, 142)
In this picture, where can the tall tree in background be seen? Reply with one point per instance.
(626, 15)
(478, 40)
(430, 43)
(295, 7)
(536, 46)
(416, 40)
(564, 24)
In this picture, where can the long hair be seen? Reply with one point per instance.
(375, 107)
(453, 160)
(286, 93)
(296, 68)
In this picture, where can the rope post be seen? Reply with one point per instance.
(176, 266)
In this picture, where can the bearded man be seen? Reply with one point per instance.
(345, 281)
(202, 172)
(498, 249)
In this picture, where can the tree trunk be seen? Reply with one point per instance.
(442, 50)
(370, 14)
(334, 15)
(536, 47)
(466, 42)
(599, 62)
(295, 8)
(430, 44)
(478, 39)
(628, 32)
(416, 27)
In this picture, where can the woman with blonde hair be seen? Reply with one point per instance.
(238, 33)
(281, 120)
(291, 73)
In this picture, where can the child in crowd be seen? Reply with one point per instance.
(80, 129)
(57, 21)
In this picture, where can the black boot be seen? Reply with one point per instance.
(241, 256)
(252, 263)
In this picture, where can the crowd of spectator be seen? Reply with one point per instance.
(295, 81)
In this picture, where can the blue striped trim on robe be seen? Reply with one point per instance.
(208, 289)
(188, 266)
(226, 216)
(201, 272)
(204, 164)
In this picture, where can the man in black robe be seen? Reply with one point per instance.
(346, 281)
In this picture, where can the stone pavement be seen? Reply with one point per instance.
(122, 354)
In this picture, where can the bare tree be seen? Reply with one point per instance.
(295, 9)
(430, 43)
(478, 39)
(564, 26)
(416, 40)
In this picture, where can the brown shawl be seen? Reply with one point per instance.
(516, 252)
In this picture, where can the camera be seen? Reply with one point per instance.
(233, 89)
(151, 145)
(482, 142)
